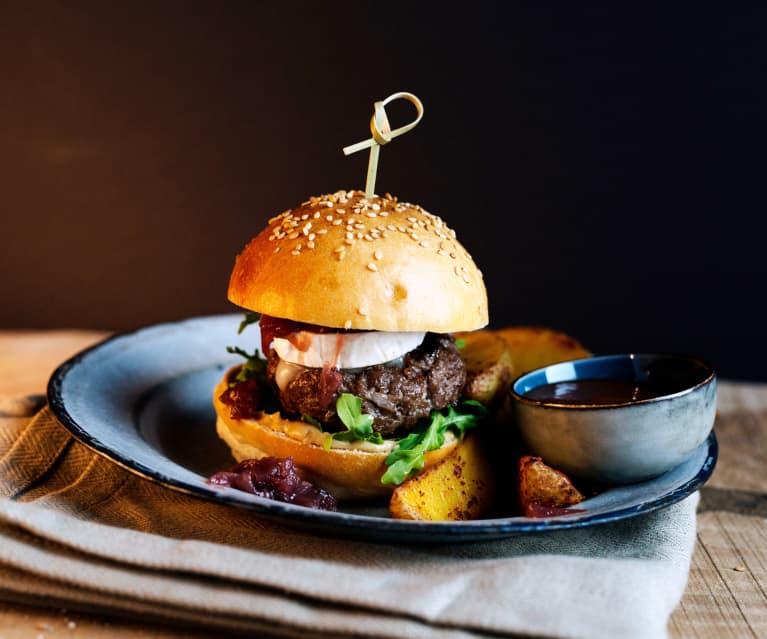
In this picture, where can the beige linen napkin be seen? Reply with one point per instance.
(78, 531)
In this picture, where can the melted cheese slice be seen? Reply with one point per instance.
(345, 350)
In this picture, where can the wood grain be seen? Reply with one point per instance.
(726, 593)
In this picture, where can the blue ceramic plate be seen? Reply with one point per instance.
(143, 399)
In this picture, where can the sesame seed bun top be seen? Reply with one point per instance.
(348, 261)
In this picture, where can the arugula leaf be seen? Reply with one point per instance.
(408, 458)
(310, 420)
(250, 318)
(359, 425)
(253, 368)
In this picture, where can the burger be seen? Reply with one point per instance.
(356, 376)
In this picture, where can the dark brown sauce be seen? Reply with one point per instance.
(598, 391)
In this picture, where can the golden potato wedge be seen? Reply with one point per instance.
(543, 488)
(488, 365)
(460, 487)
(533, 346)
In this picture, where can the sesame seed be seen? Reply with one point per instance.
(372, 267)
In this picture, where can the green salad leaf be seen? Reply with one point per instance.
(253, 368)
(408, 458)
(359, 426)
(250, 318)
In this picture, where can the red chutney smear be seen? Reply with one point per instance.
(539, 511)
(330, 382)
(272, 327)
(277, 479)
(242, 397)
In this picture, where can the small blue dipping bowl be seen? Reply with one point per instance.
(612, 437)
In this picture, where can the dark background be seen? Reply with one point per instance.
(605, 166)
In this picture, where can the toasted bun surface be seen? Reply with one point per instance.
(347, 261)
(347, 472)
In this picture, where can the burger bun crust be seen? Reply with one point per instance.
(349, 261)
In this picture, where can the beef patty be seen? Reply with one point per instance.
(397, 394)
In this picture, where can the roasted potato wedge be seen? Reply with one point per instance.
(488, 365)
(543, 488)
(532, 347)
(460, 487)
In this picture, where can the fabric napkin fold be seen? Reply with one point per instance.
(76, 530)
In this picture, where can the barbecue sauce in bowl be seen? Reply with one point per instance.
(596, 392)
(616, 419)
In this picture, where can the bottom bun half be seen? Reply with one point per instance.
(346, 470)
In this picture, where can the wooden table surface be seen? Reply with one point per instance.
(726, 594)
